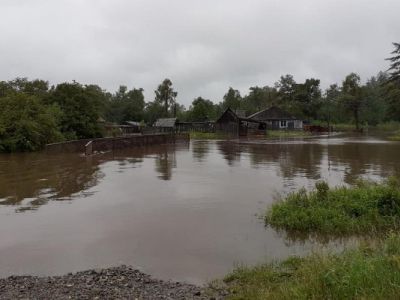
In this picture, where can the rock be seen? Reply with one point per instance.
(113, 283)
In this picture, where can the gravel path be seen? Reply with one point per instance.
(113, 283)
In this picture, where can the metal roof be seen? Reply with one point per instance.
(272, 113)
(165, 122)
(133, 123)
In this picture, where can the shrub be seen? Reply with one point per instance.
(26, 124)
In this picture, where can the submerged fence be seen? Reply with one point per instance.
(89, 146)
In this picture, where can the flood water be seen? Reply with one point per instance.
(187, 212)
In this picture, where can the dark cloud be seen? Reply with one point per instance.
(203, 46)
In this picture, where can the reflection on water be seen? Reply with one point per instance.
(184, 211)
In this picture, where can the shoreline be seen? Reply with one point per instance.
(122, 282)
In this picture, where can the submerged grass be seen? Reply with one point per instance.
(363, 273)
(366, 207)
(207, 135)
(286, 133)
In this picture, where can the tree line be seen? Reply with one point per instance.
(33, 113)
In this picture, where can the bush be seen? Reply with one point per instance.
(364, 208)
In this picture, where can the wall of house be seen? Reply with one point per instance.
(287, 124)
(230, 128)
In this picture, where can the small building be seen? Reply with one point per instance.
(230, 123)
(276, 118)
(166, 124)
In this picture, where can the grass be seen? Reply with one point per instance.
(286, 133)
(365, 208)
(389, 126)
(207, 135)
(395, 136)
(363, 273)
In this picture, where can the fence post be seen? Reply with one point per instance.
(89, 148)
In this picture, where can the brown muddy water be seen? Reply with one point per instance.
(184, 212)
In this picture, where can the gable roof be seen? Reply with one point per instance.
(227, 114)
(165, 122)
(273, 113)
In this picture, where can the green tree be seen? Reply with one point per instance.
(166, 96)
(259, 98)
(307, 98)
(391, 89)
(202, 110)
(286, 87)
(375, 107)
(232, 100)
(329, 104)
(126, 105)
(394, 75)
(352, 96)
(26, 124)
(81, 108)
(153, 111)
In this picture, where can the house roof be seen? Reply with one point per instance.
(230, 113)
(165, 122)
(227, 113)
(273, 113)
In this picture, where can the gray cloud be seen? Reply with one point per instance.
(202, 46)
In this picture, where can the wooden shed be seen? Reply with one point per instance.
(230, 123)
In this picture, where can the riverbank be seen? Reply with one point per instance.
(112, 283)
(369, 272)
(365, 208)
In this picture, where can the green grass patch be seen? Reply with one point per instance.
(286, 133)
(344, 127)
(207, 135)
(368, 272)
(389, 126)
(366, 207)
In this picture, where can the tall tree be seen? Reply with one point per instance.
(394, 75)
(391, 89)
(166, 95)
(232, 99)
(259, 98)
(352, 97)
(202, 110)
(81, 107)
(286, 87)
(126, 105)
(329, 104)
(307, 98)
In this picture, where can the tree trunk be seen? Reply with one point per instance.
(356, 119)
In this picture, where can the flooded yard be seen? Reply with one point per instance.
(188, 211)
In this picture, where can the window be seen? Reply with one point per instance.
(283, 124)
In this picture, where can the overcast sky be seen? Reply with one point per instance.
(204, 46)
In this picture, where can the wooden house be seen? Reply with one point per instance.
(230, 123)
(276, 118)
